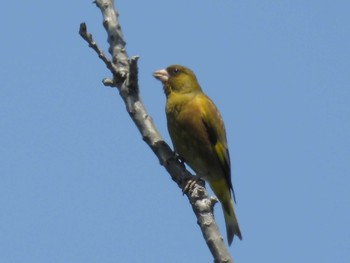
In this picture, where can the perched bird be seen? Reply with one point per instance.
(198, 135)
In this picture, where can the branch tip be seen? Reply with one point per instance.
(213, 201)
(108, 82)
(82, 28)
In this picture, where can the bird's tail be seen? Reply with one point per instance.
(232, 227)
(223, 193)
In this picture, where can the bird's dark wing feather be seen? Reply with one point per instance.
(216, 133)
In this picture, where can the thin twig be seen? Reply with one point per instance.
(88, 38)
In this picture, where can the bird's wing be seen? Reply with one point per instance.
(215, 129)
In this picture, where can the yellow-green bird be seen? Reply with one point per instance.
(198, 135)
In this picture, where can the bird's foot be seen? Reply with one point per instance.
(191, 183)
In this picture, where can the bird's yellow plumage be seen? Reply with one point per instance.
(198, 135)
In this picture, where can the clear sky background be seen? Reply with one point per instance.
(78, 184)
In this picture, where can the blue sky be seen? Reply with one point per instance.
(78, 184)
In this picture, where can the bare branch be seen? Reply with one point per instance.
(115, 35)
(125, 78)
(88, 38)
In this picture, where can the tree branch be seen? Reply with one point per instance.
(125, 79)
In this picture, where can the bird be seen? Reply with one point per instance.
(198, 135)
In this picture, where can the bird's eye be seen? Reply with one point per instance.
(175, 71)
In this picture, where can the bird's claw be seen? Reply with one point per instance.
(190, 184)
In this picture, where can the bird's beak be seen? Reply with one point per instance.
(161, 75)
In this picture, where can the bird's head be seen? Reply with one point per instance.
(178, 79)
